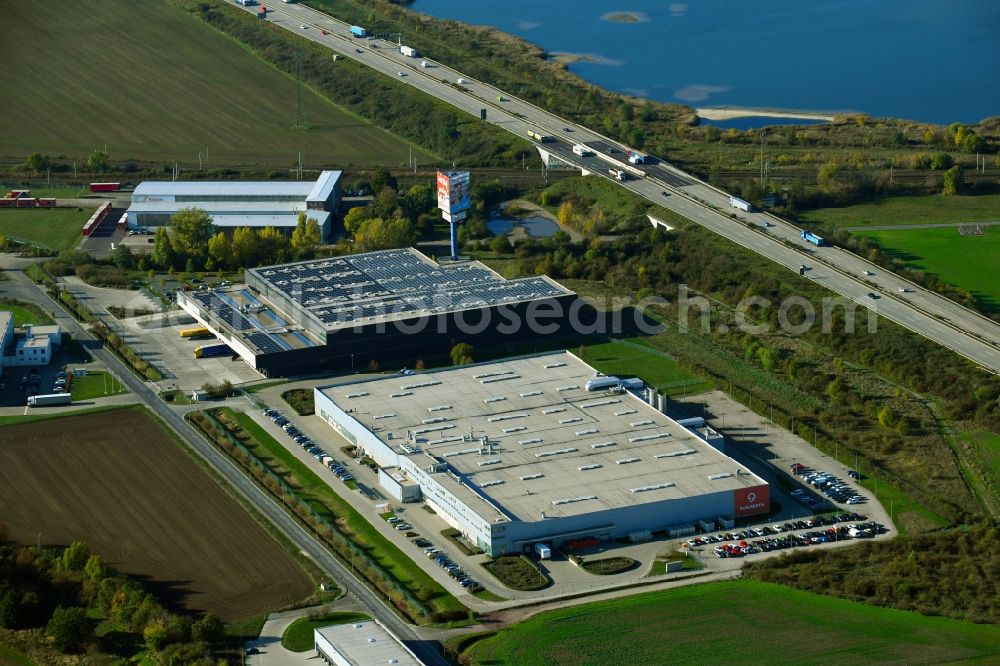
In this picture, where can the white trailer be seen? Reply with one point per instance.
(49, 399)
(543, 551)
(743, 205)
(618, 174)
(582, 150)
(408, 51)
(635, 157)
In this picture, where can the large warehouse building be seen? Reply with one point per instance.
(520, 452)
(233, 204)
(345, 312)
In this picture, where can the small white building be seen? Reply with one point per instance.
(361, 644)
(33, 347)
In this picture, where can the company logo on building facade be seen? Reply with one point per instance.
(751, 501)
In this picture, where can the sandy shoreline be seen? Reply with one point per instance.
(728, 114)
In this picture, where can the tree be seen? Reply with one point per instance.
(306, 237)
(191, 229)
(37, 162)
(383, 178)
(163, 249)
(122, 257)
(500, 244)
(68, 628)
(220, 250)
(98, 161)
(74, 558)
(272, 245)
(419, 199)
(155, 634)
(208, 629)
(386, 203)
(244, 247)
(355, 217)
(953, 180)
(8, 609)
(95, 568)
(461, 353)
(378, 234)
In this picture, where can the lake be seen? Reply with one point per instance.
(924, 60)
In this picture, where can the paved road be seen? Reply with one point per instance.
(922, 311)
(427, 650)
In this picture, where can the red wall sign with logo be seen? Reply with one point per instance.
(751, 501)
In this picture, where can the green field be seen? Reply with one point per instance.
(96, 385)
(26, 313)
(153, 83)
(56, 228)
(298, 637)
(967, 262)
(987, 448)
(739, 622)
(937, 209)
(656, 369)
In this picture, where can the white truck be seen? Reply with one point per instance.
(743, 205)
(49, 399)
(618, 174)
(635, 157)
(543, 551)
(408, 51)
(582, 150)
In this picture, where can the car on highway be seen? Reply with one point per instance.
(357, 50)
(401, 73)
(323, 32)
(903, 290)
(566, 129)
(305, 27)
(872, 294)
(867, 273)
(665, 193)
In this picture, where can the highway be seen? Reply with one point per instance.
(931, 315)
(428, 650)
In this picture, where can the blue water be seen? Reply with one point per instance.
(926, 60)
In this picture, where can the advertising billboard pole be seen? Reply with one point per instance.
(454, 199)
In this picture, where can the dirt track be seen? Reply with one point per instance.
(119, 482)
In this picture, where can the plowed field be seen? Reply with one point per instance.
(119, 482)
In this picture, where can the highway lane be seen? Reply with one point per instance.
(427, 650)
(922, 311)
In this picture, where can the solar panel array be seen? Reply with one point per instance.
(226, 310)
(350, 289)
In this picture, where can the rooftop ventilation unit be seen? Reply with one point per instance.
(584, 468)
(359, 394)
(514, 429)
(589, 431)
(493, 380)
(494, 482)
(530, 393)
(598, 403)
(498, 398)
(484, 375)
(553, 410)
(530, 477)
(437, 419)
(625, 412)
(549, 366)
(674, 454)
(602, 445)
(461, 452)
(646, 489)
(555, 452)
(646, 438)
(716, 477)
(569, 387)
(384, 416)
(575, 419)
(447, 426)
(571, 500)
(407, 387)
(438, 408)
(491, 461)
(533, 440)
(400, 394)
(443, 440)
(507, 417)
(627, 461)
(636, 424)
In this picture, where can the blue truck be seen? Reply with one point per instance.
(810, 237)
(208, 351)
(358, 31)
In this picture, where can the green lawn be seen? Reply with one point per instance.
(96, 385)
(11, 657)
(317, 492)
(170, 88)
(742, 622)
(298, 637)
(968, 262)
(987, 447)
(656, 369)
(47, 192)
(55, 228)
(25, 313)
(937, 209)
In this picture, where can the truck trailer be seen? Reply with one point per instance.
(208, 351)
(742, 204)
(538, 136)
(635, 157)
(543, 551)
(618, 174)
(408, 51)
(196, 332)
(582, 150)
(49, 399)
(358, 31)
(810, 237)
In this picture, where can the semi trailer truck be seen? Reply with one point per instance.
(208, 351)
(49, 399)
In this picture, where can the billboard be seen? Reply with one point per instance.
(751, 501)
(453, 193)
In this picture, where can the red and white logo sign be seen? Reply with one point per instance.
(751, 501)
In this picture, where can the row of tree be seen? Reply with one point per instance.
(65, 591)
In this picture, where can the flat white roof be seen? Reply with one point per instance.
(553, 448)
(368, 643)
(324, 185)
(236, 188)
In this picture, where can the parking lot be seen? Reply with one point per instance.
(157, 338)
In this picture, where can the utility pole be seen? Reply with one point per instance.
(199, 161)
